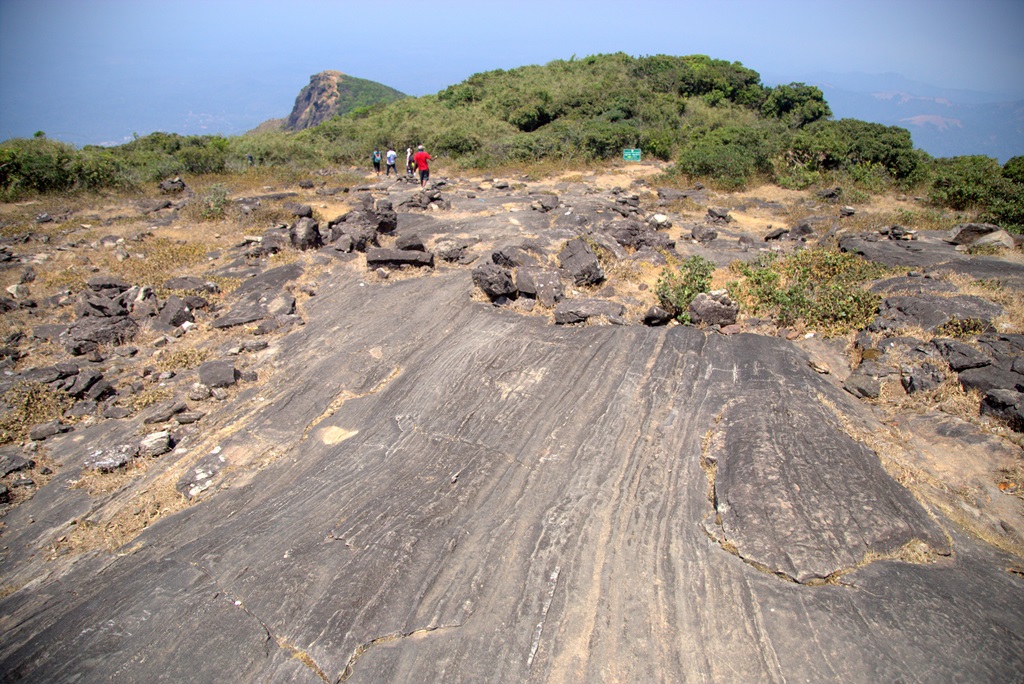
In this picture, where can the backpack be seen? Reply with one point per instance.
(376, 156)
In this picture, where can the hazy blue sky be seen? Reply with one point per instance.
(90, 71)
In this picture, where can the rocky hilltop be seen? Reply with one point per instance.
(331, 93)
(449, 435)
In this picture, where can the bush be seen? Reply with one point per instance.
(821, 287)
(676, 289)
(730, 156)
(965, 182)
(797, 104)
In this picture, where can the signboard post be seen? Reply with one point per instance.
(632, 154)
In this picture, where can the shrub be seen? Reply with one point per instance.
(821, 287)
(730, 156)
(797, 104)
(676, 289)
(965, 182)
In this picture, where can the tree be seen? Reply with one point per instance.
(797, 104)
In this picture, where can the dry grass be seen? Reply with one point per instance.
(181, 359)
(31, 403)
(157, 500)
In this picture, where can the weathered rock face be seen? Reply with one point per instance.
(330, 93)
(595, 437)
(424, 487)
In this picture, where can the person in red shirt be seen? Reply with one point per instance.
(421, 158)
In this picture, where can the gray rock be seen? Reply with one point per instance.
(960, 356)
(656, 316)
(218, 373)
(713, 308)
(305, 234)
(175, 312)
(410, 243)
(717, 216)
(197, 391)
(513, 257)
(863, 386)
(570, 311)
(578, 260)
(1006, 404)
(923, 378)
(1000, 238)
(932, 311)
(155, 444)
(495, 281)
(989, 378)
(543, 285)
(40, 432)
(969, 233)
(395, 258)
(164, 412)
(110, 459)
(703, 234)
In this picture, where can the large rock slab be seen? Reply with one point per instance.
(472, 495)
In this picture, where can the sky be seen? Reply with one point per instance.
(99, 71)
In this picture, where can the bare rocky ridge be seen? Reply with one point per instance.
(441, 443)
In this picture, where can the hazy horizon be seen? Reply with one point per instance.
(97, 71)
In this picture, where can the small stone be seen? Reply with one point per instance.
(155, 444)
(110, 459)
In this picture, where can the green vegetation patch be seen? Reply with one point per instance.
(678, 286)
(820, 287)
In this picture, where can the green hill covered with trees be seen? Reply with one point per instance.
(714, 119)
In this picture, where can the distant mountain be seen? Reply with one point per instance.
(329, 94)
(943, 122)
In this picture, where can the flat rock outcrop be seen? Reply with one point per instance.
(397, 479)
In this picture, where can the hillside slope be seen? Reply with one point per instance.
(331, 93)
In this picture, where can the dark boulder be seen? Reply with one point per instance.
(495, 281)
(923, 378)
(540, 284)
(578, 260)
(172, 186)
(656, 316)
(703, 234)
(513, 257)
(713, 308)
(639, 235)
(175, 312)
(960, 356)
(109, 459)
(410, 243)
(305, 234)
(988, 378)
(218, 373)
(717, 216)
(932, 311)
(969, 233)
(1006, 404)
(394, 258)
(87, 334)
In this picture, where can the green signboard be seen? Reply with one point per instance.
(631, 154)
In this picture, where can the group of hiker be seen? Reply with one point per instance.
(418, 161)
